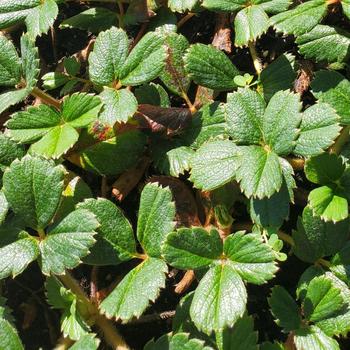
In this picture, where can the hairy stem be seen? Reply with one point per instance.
(255, 57)
(342, 139)
(185, 283)
(192, 108)
(46, 98)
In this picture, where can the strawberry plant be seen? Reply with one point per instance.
(174, 174)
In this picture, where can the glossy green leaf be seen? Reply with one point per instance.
(313, 338)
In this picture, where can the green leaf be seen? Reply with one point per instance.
(146, 60)
(33, 188)
(324, 169)
(313, 338)
(325, 43)
(135, 292)
(245, 110)
(301, 19)
(9, 338)
(280, 122)
(284, 309)
(219, 300)
(54, 80)
(93, 20)
(331, 87)
(315, 238)
(182, 5)
(340, 263)
(278, 75)
(223, 5)
(322, 299)
(86, 342)
(118, 106)
(214, 164)
(30, 62)
(108, 56)
(210, 67)
(67, 242)
(10, 64)
(9, 151)
(156, 218)
(250, 23)
(318, 130)
(4, 207)
(115, 238)
(252, 259)
(153, 94)
(260, 174)
(192, 248)
(11, 98)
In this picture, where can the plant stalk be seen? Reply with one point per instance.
(342, 139)
(255, 57)
(46, 98)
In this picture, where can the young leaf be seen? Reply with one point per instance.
(260, 174)
(192, 248)
(135, 292)
(33, 188)
(156, 218)
(219, 300)
(331, 87)
(313, 338)
(115, 239)
(182, 5)
(67, 242)
(318, 130)
(284, 309)
(325, 43)
(9, 338)
(210, 67)
(252, 259)
(214, 164)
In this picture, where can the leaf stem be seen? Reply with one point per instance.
(255, 57)
(121, 14)
(342, 139)
(184, 19)
(46, 98)
(186, 281)
(296, 163)
(192, 108)
(107, 327)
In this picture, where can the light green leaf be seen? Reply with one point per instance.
(301, 19)
(11, 98)
(260, 174)
(86, 342)
(9, 338)
(33, 188)
(156, 218)
(192, 248)
(219, 300)
(214, 164)
(325, 43)
(313, 338)
(54, 80)
(108, 56)
(250, 23)
(284, 309)
(182, 5)
(176, 161)
(135, 292)
(245, 109)
(10, 64)
(250, 257)
(210, 67)
(118, 106)
(331, 87)
(318, 130)
(67, 242)
(115, 239)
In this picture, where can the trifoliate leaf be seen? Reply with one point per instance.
(192, 248)
(86, 342)
(280, 122)
(284, 309)
(9, 151)
(156, 215)
(9, 338)
(325, 43)
(315, 238)
(322, 299)
(318, 130)
(260, 174)
(331, 87)
(135, 292)
(115, 238)
(10, 64)
(33, 188)
(118, 106)
(210, 67)
(174, 75)
(182, 5)
(301, 19)
(125, 150)
(94, 20)
(214, 164)
(219, 300)
(145, 62)
(245, 109)
(250, 23)
(324, 169)
(108, 56)
(68, 242)
(250, 257)
(278, 75)
(313, 338)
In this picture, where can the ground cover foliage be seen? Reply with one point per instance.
(174, 174)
